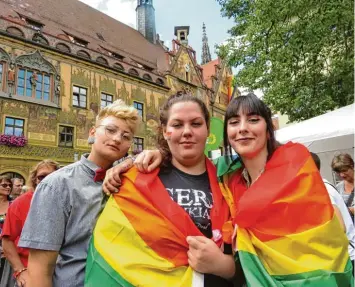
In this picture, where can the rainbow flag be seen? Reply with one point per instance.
(140, 237)
(286, 231)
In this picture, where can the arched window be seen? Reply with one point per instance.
(133, 72)
(83, 54)
(160, 82)
(39, 38)
(147, 77)
(15, 31)
(118, 66)
(62, 47)
(102, 60)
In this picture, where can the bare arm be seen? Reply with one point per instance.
(146, 161)
(41, 266)
(351, 209)
(11, 254)
(205, 256)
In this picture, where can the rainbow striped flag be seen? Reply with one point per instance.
(140, 237)
(287, 233)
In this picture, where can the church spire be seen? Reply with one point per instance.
(206, 55)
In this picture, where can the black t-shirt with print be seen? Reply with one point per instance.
(193, 193)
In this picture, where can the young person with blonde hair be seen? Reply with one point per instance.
(66, 204)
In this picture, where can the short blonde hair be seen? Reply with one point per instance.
(121, 111)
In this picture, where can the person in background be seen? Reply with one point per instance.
(24, 189)
(66, 203)
(15, 220)
(341, 211)
(17, 184)
(343, 166)
(5, 189)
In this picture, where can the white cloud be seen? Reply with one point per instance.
(121, 10)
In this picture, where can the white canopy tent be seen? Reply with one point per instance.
(325, 135)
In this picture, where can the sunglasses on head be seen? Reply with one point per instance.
(5, 185)
(41, 177)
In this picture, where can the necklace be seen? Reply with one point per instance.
(247, 176)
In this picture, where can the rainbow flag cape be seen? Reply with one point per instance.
(286, 231)
(140, 237)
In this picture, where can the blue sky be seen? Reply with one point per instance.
(169, 13)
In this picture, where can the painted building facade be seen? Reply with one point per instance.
(57, 72)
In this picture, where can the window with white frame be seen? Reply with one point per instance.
(79, 97)
(140, 107)
(106, 99)
(14, 126)
(33, 84)
(66, 136)
(138, 144)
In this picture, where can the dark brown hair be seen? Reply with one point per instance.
(179, 97)
(251, 104)
(5, 177)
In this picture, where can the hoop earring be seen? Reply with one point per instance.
(91, 140)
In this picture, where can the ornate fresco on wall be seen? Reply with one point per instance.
(138, 94)
(80, 77)
(94, 95)
(15, 108)
(184, 64)
(39, 153)
(42, 121)
(107, 85)
(123, 94)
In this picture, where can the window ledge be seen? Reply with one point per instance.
(78, 107)
(28, 100)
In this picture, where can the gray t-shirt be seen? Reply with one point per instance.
(62, 216)
(341, 188)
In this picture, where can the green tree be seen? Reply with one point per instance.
(299, 52)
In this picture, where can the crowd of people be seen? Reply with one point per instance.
(261, 215)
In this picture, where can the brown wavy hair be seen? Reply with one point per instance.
(33, 173)
(179, 97)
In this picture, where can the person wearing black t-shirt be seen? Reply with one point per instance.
(184, 174)
(193, 193)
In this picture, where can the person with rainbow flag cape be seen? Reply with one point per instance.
(165, 228)
(283, 227)
(285, 230)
